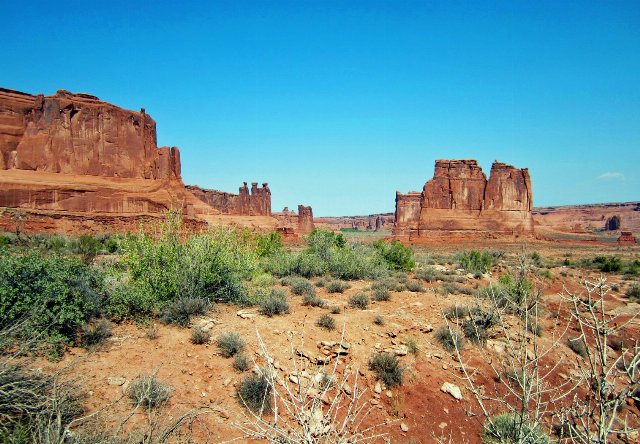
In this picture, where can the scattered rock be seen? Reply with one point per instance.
(246, 314)
(116, 380)
(377, 388)
(452, 389)
(404, 427)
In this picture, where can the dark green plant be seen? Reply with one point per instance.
(268, 244)
(381, 294)
(476, 328)
(449, 338)
(254, 393)
(387, 368)
(181, 310)
(148, 391)
(608, 264)
(337, 286)
(359, 300)
(87, 247)
(326, 321)
(230, 344)
(275, 303)
(313, 300)
(335, 309)
(474, 261)
(302, 286)
(396, 255)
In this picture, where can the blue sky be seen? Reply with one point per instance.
(339, 104)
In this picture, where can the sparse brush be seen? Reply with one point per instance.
(200, 335)
(414, 286)
(313, 300)
(302, 286)
(457, 312)
(578, 346)
(476, 329)
(335, 309)
(387, 368)
(337, 286)
(147, 391)
(96, 333)
(151, 332)
(401, 277)
(507, 428)
(326, 321)
(254, 393)
(230, 344)
(378, 320)
(451, 288)
(449, 338)
(359, 300)
(274, 303)
(320, 283)
(428, 274)
(633, 292)
(412, 346)
(241, 362)
(181, 310)
(388, 284)
(474, 261)
(533, 326)
(381, 294)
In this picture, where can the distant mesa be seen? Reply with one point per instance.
(459, 198)
(74, 163)
(626, 238)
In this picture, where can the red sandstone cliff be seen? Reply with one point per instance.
(256, 202)
(460, 198)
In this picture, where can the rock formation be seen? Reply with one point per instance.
(627, 238)
(612, 223)
(375, 222)
(256, 202)
(459, 198)
(290, 221)
(305, 219)
(552, 222)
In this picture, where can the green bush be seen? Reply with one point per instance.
(633, 292)
(326, 321)
(200, 335)
(507, 428)
(514, 294)
(451, 288)
(52, 296)
(87, 247)
(241, 362)
(396, 255)
(302, 286)
(414, 286)
(381, 294)
(608, 264)
(449, 338)
(275, 303)
(181, 310)
(254, 393)
(312, 300)
(96, 333)
(476, 329)
(387, 368)
(474, 261)
(337, 286)
(230, 344)
(268, 244)
(359, 300)
(388, 284)
(148, 391)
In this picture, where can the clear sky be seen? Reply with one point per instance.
(339, 104)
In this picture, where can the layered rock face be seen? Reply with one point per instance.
(291, 222)
(81, 135)
(376, 222)
(254, 202)
(459, 198)
(305, 219)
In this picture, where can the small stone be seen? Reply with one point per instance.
(374, 402)
(445, 366)
(404, 427)
(442, 425)
(347, 389)
(294, 379)
(116, 381)
(452, 389)
(389, 394)
(226, 382)
(377, 388)
(223, 414)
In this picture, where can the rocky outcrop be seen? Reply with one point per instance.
(79, 134)
(627, 238)
(552, 222)
(612, 223)
(376, 222)
(305, 219)
(460, 198)
(300, 222)
(254, 202)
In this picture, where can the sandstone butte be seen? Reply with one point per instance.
(460, 200)
(73, 163)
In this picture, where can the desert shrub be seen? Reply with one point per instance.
(275, 303)
(378, 320)
(633, 292)
(302, 286)
(401, 276)
(507, 428)
(180, 311)
(381, 294)
(335, 309)
(533, 326)
(211, 265)
(414, 286)
(268, 244)
(536, 259)
(263, 280)
(313, 300)
(429, 274)
(230, 344)
(356, 262)
(280, 264)
(87, 247)
(456, 312)
(511, 293)
(95, 333)
(476, 329)
(451, 288)
(395, 255)
(310, 265)
(449, 338)
(337, 286)
(148, 391)
(359, 300)
(151, 332)
(608, 264)
(474, 261)
(241, 362)
(326, 321)
(633, 268)
(200, 335)
(578, 346)
(254, 393)
(411, 345)
(29, 400)
(321, 283)
(387, 368)
(54, 295)
(388, 284)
